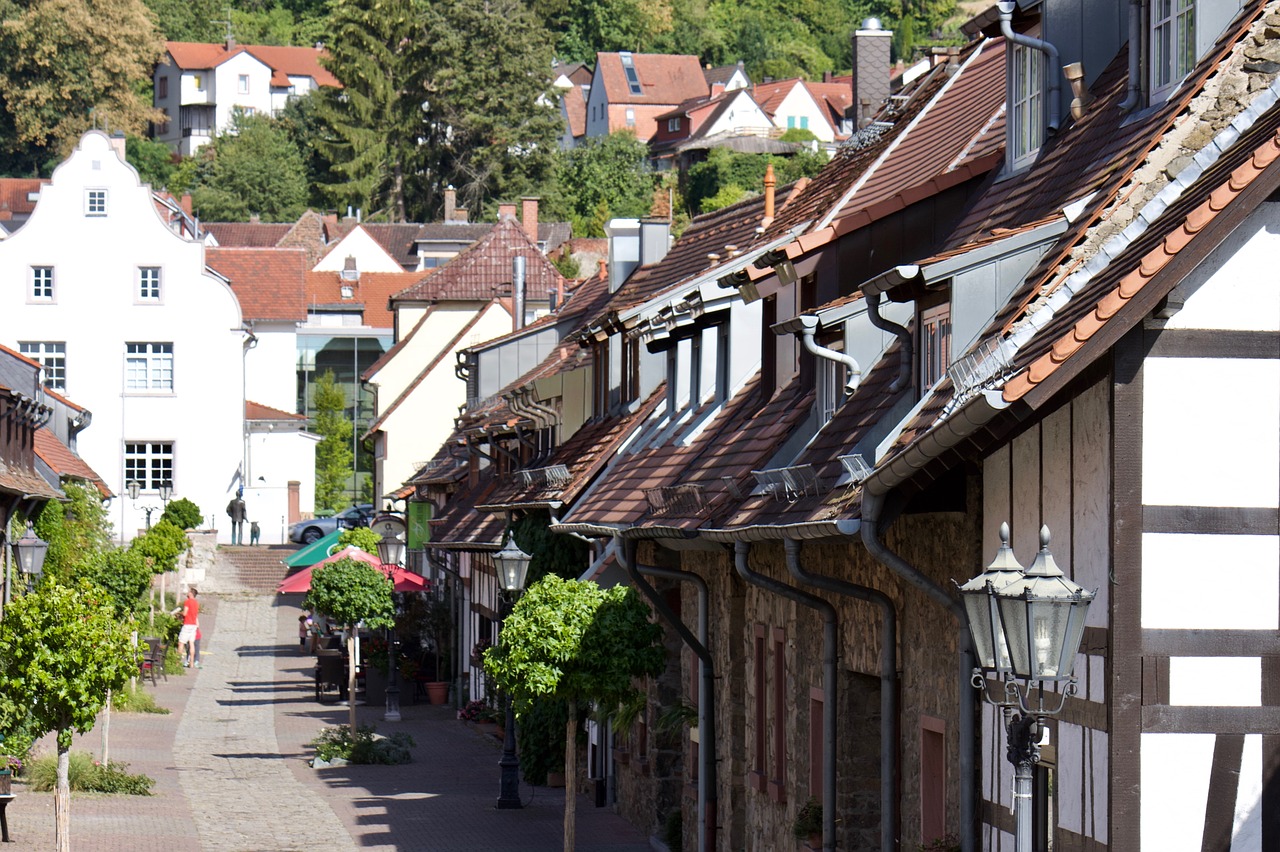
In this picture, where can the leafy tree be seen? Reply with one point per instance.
(724, 168)
(583, 27)
(572, 640)
(189, 20)
(61, 652)
(361, 537)
(375, 120)
(252, 168)
(728, 194)
(76, 530)
(66, 66)
(563, 555)
(491, 127)
(183, 513)
(123, 574)
(153, 160)
(350, 592)
(300, 119)
(161, 545)
(604, 177)
(333, 454)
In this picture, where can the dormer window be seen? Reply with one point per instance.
(1026, 105)
(934, 344)
(673, 125)
(1173, 43)
(348, 292)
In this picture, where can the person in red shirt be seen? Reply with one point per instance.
(190, 626)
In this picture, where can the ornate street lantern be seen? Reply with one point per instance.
(513, 566)
(989, 645)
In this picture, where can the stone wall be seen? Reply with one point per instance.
(199, 565)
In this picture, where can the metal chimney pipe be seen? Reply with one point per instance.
(517, 288)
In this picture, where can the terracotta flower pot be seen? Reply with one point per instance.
(438, 692)
(555, 779)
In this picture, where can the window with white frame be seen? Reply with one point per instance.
(673, 124)
(42, 283)
(148, 283)
(242, 84)
(830, 381)
(95, 202)
(149, 463)
(148, 367)
(52, 357)
(1026, 100)
(1173, 42)
(631, 117)
(935, 344)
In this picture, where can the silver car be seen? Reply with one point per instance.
(305, 532)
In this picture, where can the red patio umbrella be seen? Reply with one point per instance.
(404, 580)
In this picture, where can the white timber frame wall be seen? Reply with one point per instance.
(1057, 473)
(1208, 384)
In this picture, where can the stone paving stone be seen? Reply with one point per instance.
(231, 771)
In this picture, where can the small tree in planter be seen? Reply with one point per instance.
(61, 651)
(808, 824)
(350, 592)
(573, 640)
(436, 623)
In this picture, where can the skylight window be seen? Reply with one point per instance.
(633, 79)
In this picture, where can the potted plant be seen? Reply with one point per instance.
(808, 824)
(437, 623)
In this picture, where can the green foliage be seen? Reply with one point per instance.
(604, 177)
(945, 843)
(76, 530)
(349, 591)
(87, 776)
(300, 120)
(136, 700)
(61, 650)
(189, 20)
(797, 134)
(184, 513)
(562, 555)
(125, 575)
(363, 746)
(583, 27)
(674, 718)
(153, 160)
(333, 454)
(67, 66)
(808, 819)
(252, 168)
(161, 545)
(362, 537)
(567, 265)
(542, 723)
(574, 640)
(726, 195)
(711, 183)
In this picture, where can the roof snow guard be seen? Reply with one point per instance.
(789, 484)
(687, 499)
(554, 476)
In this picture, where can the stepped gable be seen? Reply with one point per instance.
(483, 270)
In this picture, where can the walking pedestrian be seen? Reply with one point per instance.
(190, 611)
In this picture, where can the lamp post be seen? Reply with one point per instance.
(30, 551)
(391, 554)
(134, 487)
(513, 568)
(1026, 627)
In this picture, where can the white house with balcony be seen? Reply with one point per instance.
(200, 87)
(133, 326)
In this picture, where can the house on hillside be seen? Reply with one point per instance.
(726, 78)
(629, 91)
(135, 329)
(727, 115)
(201, 87)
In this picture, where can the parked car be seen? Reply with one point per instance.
(314, 529)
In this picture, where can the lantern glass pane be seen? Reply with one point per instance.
(978, 607)
(1048, 629)
(1013, 615)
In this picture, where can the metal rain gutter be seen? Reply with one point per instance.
(809, 326)
(904, 339)
(741, 550)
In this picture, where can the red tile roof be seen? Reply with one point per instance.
(483, 270)
(372, 293)
(258, 411)
(575, 110)
(247, 234)
(290, 61)
(66, 464)
(269, 282)
(664, 78)
(15, 196)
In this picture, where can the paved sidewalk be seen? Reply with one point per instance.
(231, 771)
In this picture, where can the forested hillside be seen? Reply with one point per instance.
(436, 93)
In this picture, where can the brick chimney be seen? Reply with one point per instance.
(506, 210)
(450, 203)
(117, 145)
(529, 216)
(871, 65)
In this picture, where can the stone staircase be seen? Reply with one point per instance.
(256, 569)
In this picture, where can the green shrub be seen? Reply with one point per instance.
(808, 819)
(541, 726)
(87, 775)
(945, 843)
(136, 700)
(183, 513)
(364, 747)
(362, 537)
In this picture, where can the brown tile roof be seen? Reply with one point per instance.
(14, 196)
(483, 270)
(396, 239)
(247, 234)
(66, 464)
(372, 294)
(575, 110)
(460, 525)
(290, 61)
(664, 78)
(258, 411)
(269, 282)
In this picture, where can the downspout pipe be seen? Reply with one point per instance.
(1051, 55)
(906, 344)
(889, 767)
(741, 550)
(872, 509)
(1134, 91)
(809, 327)
(707, 781)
